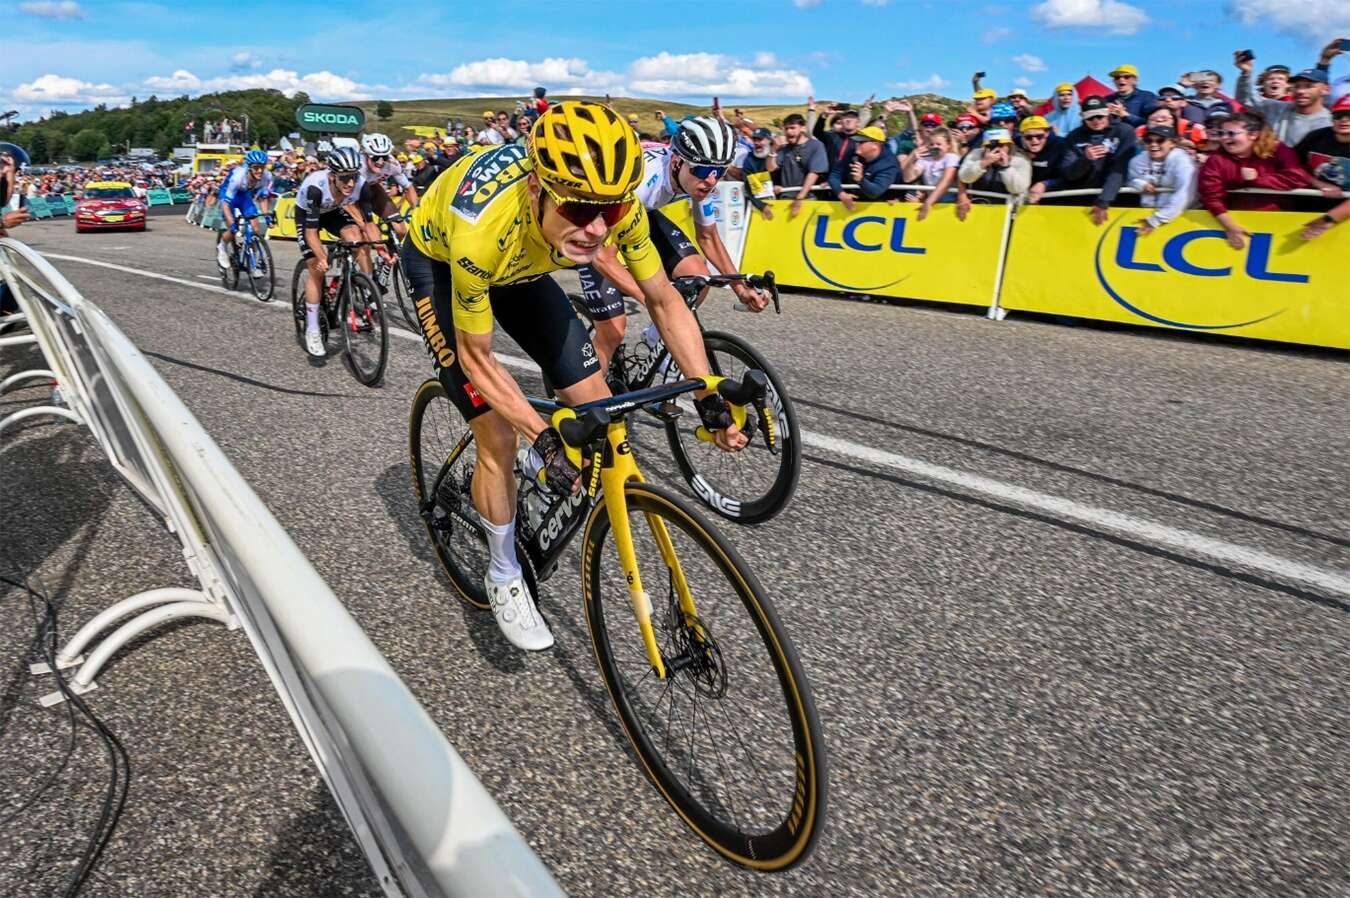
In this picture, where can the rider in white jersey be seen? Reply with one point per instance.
(378, 167)
(699, 154)
(327, 200)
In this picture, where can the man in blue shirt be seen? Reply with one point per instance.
(866, 162)
(1128, 103)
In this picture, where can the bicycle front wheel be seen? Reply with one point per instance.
(363, 330)
(753, 485)
(261, 278)
(730, 737)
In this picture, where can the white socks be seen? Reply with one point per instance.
(501, 539)
(311, 316)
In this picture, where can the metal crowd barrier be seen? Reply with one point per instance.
(424, 822)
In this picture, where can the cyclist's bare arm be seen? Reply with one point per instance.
(608, 264)
(495, 385)
(684, 340)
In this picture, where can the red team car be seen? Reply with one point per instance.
(109, 204)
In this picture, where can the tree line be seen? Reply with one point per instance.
(101, 132)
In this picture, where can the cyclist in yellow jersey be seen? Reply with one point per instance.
(486, 234)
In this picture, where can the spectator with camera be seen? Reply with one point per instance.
(801, 162)
(1019, 101)
(1045, 151)
(1064, 117)
(1326, 153)
(1291, 122)
(997, 166)
(1249, 155)
(966, 129)
(1128, 103)
(868, 163)
(1164, 175)
(1098, 154)
(934, 163)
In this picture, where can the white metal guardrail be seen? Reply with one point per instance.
(424, 822)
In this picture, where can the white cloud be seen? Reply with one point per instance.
(1022, 81)
(931, 83)
(764, 60)
(556, 73)
(713, 74)
(57, 90)
(52, 9)
(319, 85)
(1030, 63)
(245, 60)
(1112, 15)
(805, 4)
(996, 35)
(1314, 19)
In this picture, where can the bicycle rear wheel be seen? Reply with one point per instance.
(437, 433)
(363, 329)
(261, 278)
(753, 485)
(730, 737)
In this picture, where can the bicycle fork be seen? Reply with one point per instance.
(617, 469)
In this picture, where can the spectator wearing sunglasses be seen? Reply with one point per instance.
(1249, 155)
(1326, 153)
(966, 130)
(1128, 103)
(1173, 97)
(1045, 150)
(1164, 175)
(801, 163)
(1291, 122)
(1064, 117)
(997, 166)
(869, 164)
(1098, 154)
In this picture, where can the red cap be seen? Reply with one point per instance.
(966, 118)
(1342, 105)
(931, 117)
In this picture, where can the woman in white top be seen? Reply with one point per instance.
(934, 164)
(1164, 174)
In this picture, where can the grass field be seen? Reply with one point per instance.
(436, 112)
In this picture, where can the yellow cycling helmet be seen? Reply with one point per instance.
(588, 149)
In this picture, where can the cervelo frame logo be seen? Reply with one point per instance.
(1133, 254)
(883, 235)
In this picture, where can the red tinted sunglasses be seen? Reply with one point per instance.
(582, 214)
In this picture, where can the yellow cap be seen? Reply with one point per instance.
(986, 93)
(416, 157)
(1033, 121)
(488, 113)
(1124, 70)
(1063, 86)
(402, 157)
(871, 132)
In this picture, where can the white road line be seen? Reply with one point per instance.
(1139, 529)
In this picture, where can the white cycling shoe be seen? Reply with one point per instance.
(314, 343)
(517, 617)
(222, 255)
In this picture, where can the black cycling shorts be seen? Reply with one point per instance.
(536, 314)
(332, 221)
(603, 299)
(375, 199)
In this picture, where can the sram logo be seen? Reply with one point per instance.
(704, 491)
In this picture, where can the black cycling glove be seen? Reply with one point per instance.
(560, 475)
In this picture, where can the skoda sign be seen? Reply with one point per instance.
(330, 119)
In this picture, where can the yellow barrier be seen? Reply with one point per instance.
(1184, 275)
(881, 248)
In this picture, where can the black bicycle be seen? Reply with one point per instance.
(750, 486)
(348, 300)
(702, 674)
(389, 272)
(252, 255)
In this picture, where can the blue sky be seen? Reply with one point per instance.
(71, 54)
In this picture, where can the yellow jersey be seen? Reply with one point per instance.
(477, 218)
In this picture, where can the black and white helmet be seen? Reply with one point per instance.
(704, 140)
(344, 160)
(377, 145)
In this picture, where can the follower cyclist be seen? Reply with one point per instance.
(700, 152)
(486, 233)
(380, 166)
(248, 182)
(327, 200)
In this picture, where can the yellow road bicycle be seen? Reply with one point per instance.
(705, 681)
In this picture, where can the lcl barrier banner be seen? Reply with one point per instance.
(1184, 275)
(881, 248)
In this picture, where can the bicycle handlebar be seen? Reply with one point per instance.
(690, 285)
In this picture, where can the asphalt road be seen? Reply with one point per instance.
(1073, 601)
